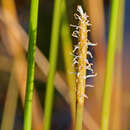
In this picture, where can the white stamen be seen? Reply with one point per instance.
(75, 48)
(86, 61)
(76, 57)
(75, 62)
(88, 24)
(89, 86)
(84, 95)
(75, 34)
(91, 44)
(89, 68)
(72, 54)
(90, 54)
(75, 26)
(90, 76)
(76, 16)
(80, 10)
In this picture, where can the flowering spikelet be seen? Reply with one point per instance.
(81, 53)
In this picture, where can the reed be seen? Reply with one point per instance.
(31, 64)
(52, 66)
(118, 75)
(8, 118)
(112, 43)
(67, 47)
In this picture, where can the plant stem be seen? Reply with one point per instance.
(110, 65)
(10, 104)
(120, 27)
(79, 116)
(52, 60)
(67, 47)
(31, 64)
(117, 88)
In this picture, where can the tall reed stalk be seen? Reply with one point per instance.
(112, 43)
(52, 61)
(31, 64)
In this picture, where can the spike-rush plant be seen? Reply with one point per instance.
(31, 64)
(81, 62)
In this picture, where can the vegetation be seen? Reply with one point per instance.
(31, 64)
(67, 80)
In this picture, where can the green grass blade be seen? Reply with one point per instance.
(117, 88)
(67, 48)
(120, 26)
(52, 60)
(31, 64)
(112, 43)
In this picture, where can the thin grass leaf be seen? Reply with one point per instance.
(8, 118)
(67, 47)
(117, 89)
(112, 44)
(31, 64)
(52, 61)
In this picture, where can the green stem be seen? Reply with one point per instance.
(31, 64)
(120, 27)
(79, 116)
(52, 60)
(112, 43)
(67, 47)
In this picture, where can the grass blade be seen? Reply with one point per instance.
(67, 47)
(112, 43)
(52, 60)
(10, 104)
(31, 64)
(117, 88)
